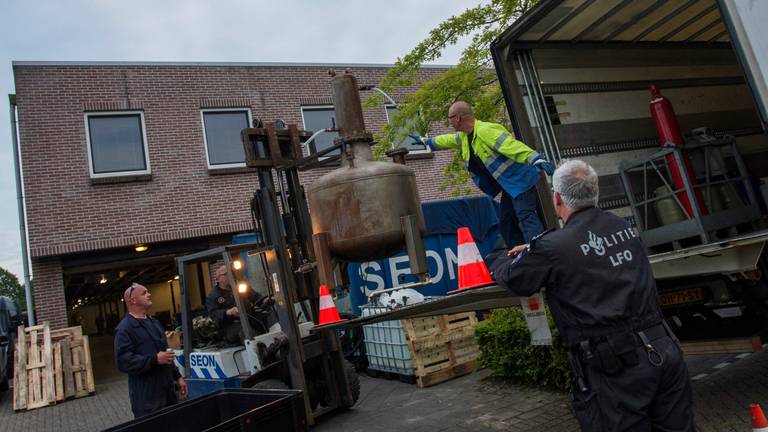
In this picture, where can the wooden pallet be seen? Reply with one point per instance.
(442, 347)
(72, 363)
(429, 327)
(33, 385)
(74, 333)
(51, 366)
(446, 374)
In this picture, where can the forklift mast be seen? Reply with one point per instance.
(284, 250)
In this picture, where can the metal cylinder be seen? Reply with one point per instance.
(360, 205)
(349, 111)
(667, 210)
(360, 208)
(669, 133)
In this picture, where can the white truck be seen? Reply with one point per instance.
(576, 76)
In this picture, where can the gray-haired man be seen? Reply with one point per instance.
(629, 370)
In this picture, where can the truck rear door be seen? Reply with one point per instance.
(745, 20)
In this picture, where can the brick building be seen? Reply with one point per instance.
(121, 155)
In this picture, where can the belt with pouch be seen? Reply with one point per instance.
(613, 353)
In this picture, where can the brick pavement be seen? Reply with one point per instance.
(470, 403)
(108, 407)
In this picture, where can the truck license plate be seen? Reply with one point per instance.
(692, 295)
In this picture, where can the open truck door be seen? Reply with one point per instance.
(745, 20)
(577, 76)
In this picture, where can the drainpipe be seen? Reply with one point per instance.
(20, 198)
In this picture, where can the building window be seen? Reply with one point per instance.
(405, 141)
(320, 117)
(221, 133)
(117, 144)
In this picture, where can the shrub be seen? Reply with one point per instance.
(505, 348)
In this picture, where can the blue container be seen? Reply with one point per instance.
(442, 218)
(200, 387)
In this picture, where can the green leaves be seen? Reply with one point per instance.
(10, 287)
(505, 348)
(473, 79)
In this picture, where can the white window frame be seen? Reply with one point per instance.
(304, 122)
(205, 139)
(386, 114)
(94, 175)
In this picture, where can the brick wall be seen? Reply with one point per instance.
(68, 213)
(50, 304)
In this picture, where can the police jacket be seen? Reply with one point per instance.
(151, 386)
(506, 159)
(596, 273)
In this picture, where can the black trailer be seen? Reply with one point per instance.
(227, 410)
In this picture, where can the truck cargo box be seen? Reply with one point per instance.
(576, 78)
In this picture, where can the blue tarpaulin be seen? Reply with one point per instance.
(442, 218)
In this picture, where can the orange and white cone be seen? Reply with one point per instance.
(328, 312)
(472, 270)
(759, 424)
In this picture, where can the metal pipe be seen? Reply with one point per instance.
(391, 101)
(383, 93)
(349, 112)
(305, 144)
(22, 212)
(426, 281)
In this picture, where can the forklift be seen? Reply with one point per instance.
(365, 209)
(279, 265)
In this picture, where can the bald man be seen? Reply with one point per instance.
(498, 164)
(141, 352)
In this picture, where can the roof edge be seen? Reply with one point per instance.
(15, 63)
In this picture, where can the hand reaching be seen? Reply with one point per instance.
(543, 165)
(516, 250)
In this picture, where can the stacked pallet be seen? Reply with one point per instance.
(442, 347)
(50, 366)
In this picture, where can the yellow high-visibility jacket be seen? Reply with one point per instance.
(507, 159)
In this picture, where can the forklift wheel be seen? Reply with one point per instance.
(354, 381)
(271, 384)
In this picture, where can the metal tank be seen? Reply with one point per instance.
(361, 205)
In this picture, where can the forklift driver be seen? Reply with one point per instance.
(221, 307)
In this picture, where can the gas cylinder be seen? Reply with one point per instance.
(669, 134)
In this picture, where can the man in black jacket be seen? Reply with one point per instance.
(141, 351)
(221, 307)
(629, 369)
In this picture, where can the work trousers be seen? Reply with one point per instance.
(644, 397)
(518, 218)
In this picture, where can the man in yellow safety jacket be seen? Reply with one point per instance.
(497, 162)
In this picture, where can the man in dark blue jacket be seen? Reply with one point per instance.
(141, 351)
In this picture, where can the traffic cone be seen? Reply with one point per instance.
(328, 312)
(759, 424)
(472, 270)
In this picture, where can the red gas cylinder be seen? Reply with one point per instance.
(669, 134)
